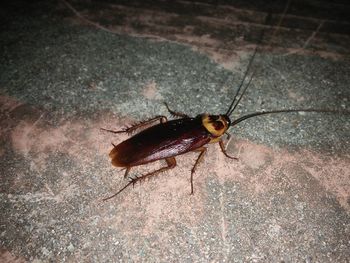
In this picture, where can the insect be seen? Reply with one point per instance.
(168, 139)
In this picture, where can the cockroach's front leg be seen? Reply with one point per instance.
(222, 147)
(176, 113)
(202, 151)
(171, 163)
(133, 128)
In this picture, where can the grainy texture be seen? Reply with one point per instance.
(61, 79)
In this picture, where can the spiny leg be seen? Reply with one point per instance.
(202, 151)
(175, 113)
(222, 146)
(136, 126)
(171, 163)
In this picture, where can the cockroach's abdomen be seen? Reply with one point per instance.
(114, 156)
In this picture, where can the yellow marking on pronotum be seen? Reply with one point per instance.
(215, 124)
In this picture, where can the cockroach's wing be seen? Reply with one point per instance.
(113, 153)
(160, 141)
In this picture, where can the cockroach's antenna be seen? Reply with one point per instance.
(234, 104)
(262, 33)
(254, 114)
(241, 84)
(240, 97)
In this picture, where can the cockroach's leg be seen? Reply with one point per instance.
(176, 113)
(228, 139)
(202, 151)
(160, 118)
(171, 163)
(112, 131)
(222, 147)
(127, 171)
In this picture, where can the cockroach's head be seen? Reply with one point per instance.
(217, 125)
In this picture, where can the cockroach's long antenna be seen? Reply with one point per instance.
(233, 105)
(243, 79)
(248, 116)
(262, 33)
(240, 97)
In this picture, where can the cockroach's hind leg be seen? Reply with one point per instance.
(112, 131)
(175, 113)
(140, 125)
(117, 193)
(171, 163)
(222, 147)
(133, 181)
(136, 126)
(202, 151)
(126, 129)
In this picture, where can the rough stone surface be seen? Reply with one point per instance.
(287, 199)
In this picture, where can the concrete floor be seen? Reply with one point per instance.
(62, 77)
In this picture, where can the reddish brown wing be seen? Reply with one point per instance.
(161, 141)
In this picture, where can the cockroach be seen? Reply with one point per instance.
(168, 139)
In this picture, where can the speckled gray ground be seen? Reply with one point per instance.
(286, 199)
